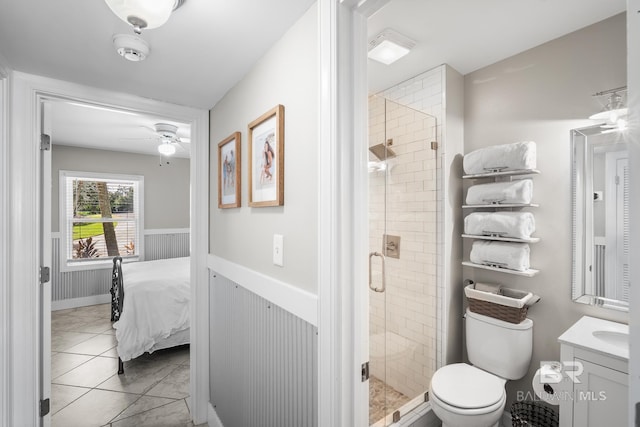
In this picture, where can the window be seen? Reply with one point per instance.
(100, 217)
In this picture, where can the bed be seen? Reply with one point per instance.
(149, 306)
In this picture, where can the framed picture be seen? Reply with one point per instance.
(266, 159)
(229, 172)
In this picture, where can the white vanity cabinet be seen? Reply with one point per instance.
(596, 353)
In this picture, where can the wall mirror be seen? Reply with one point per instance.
(600, 185)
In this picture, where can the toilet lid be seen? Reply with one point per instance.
(467, 387)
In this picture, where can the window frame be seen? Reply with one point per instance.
(104, 263)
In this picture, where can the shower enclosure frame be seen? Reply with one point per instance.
(402, 153)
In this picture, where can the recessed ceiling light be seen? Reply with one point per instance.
(389, 46)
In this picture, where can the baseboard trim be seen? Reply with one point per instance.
(212, 417)
(65, 304)
(291, 298)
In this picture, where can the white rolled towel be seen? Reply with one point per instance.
(505, 157)
(518, 191)
(513, 256)
(519, 225)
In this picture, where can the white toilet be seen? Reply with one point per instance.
(464, 395)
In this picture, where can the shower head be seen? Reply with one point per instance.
(382, 152)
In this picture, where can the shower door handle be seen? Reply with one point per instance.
(382, 289)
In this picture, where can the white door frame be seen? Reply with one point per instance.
(343, 312)
(23, 183)
(5, 392)
(633, 96)
(45, 250)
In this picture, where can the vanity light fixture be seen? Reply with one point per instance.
(615, 110)
(389, 46)
(144, 14)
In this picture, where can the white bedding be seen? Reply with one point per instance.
(156, 305)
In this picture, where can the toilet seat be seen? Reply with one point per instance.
(466, 388)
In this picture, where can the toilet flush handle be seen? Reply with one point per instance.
(382, 289)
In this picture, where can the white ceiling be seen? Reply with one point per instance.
(95, 127)
(209, 45)
(471, 34)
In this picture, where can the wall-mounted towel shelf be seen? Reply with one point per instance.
(502, 239)
(526, 273)
(503, 173)
(501, 205)
(500, 175)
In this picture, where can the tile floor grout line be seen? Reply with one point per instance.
(173, 363)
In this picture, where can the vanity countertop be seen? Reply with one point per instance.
(599, 335)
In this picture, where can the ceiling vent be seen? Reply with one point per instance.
(131, 47)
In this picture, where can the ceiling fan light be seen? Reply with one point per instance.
(166, 149)
(143, 13)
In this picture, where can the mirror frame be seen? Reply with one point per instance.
(581, 187)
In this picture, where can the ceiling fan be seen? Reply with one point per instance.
(166, 137)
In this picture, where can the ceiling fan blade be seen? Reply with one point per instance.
(150, 139)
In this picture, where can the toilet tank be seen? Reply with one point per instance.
(499, 347)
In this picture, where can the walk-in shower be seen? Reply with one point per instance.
(403, 257)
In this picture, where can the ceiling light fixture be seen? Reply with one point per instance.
(166, 148)
(389, 46)
(131, 47)
(144, 14)
(615, 109)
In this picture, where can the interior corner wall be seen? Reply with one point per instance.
(166, 188)
(540, 95)
(452, 152)
(288, 75)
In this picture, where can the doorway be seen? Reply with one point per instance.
(93, 148)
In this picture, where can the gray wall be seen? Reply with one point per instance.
(540, 95)
(166, 188)
(287, 75)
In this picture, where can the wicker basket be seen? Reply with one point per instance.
(533, 414)
(511, 307)
(502, 312)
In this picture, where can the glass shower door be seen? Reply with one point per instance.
(402, 258)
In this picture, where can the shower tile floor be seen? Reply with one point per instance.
(383, 400)
(86, 389)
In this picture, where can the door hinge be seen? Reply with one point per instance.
(617, 180)
(45, 407)
(365, 371)
(434, 145)
(45, 142)
(45, 274)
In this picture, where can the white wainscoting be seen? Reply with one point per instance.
(296, 301)
(263, 361)
(87, 287)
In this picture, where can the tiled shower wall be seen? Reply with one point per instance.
(407, 329)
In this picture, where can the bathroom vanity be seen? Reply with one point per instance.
(594, 352)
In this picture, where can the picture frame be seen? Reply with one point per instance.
(266, 159)
(229, 165)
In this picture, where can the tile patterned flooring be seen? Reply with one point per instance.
(86, 390)
(383, 400)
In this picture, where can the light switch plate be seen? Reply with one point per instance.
(278, 250)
